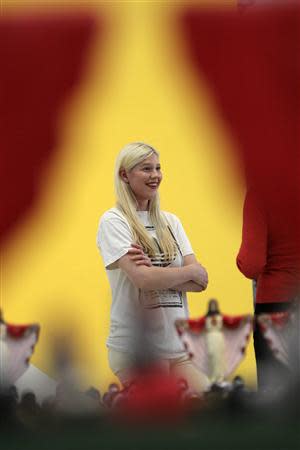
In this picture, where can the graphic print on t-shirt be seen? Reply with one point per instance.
(166, 298)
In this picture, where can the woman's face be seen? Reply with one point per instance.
(144, 180)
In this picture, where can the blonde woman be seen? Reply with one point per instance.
(150, 265)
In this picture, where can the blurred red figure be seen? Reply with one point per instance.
(251, 61)
(269, 251)
(154, 396)
(270, 256)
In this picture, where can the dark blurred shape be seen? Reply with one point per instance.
(12, 391)
(115, 397)
(29, 404)
(281, 350)
(105, 399)
(28, 410)
(113, 387)
(42, 59)
(294, 352)
(8, 405)
(93, 393)
(238, 383)
(48, 407)
(277, 329)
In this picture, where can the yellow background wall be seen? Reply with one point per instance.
(137, 86)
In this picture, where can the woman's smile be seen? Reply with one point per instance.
(153, 185)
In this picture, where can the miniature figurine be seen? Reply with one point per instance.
(216, 343)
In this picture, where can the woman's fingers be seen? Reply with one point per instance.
(136, 248)
(134, 251)
(136, 245)
(138, 256)
(141, 259)
(144, 262)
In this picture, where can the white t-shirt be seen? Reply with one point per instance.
(161, 307)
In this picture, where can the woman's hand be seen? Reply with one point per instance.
(137, 255)
(199, 274)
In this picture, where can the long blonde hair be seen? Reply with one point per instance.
(131, 155)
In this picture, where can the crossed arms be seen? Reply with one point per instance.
(191, 277)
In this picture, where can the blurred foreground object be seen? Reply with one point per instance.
(216, 343)
(71, 396)
(155, 396)
(36, 381)
(17, 344)
(278, 330)
(42, 57)
(281, 332)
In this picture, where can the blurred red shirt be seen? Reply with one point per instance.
(270, 251)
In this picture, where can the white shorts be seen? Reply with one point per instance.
(182, 367)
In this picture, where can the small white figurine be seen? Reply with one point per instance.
(215, 342)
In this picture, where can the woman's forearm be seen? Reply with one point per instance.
(189, 286)
(164, 277)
